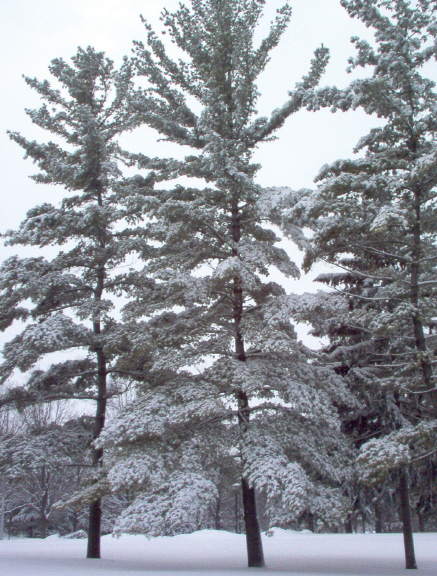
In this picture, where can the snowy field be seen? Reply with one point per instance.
(219, 553)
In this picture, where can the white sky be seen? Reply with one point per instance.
(33, 32)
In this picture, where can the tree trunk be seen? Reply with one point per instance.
(74, 521)
(43, 527)
(348, 528)
(44, 500)
(378, 517)
(404, 492)
(419, 335)
(311, 522)
(2, 518)
(95, 514)
(75, 516)
(94, 528)
(255, 553)
(218, 525)
(421, 520)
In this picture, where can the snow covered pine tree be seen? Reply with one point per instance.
(378, 221)
(214, 256)
(67, 301)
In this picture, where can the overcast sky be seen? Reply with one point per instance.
(33, 32)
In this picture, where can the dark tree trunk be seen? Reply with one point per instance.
(421, 520)
(218, 525)
(95, 514)
(44, 499)
(43, 527)
(378, 517)
(74, 515)
(414, 299)
(94, 528)
(74, 521)
(237, 523)
(311, 522)
(255, 553)
(404, 493)
(348, 528)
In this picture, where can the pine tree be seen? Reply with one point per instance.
(160, 449)
(376, 220)
(67, 302)
(423, 493)
(182, 430)
(215, 250)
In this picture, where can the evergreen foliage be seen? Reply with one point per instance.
(67, 303)
(226, 398)
(376, 220)
(212, 306)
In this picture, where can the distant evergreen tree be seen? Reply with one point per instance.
(423, 493)
(67, 302)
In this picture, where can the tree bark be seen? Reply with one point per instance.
(255, 554)
(74, 521)
(378, 517)
(44, 500)
(2, 518)
(95, 513)
(74, 515)
(404, 492)
(419, 335)
(311, 522)
(43, 527)
(218, 525)
(421, 519)
(94, 529)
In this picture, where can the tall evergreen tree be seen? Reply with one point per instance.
(376, 219)
(215, 247)
(67, 302)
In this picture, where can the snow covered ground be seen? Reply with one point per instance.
(219, 553)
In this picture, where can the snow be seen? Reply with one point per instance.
(210, 552)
